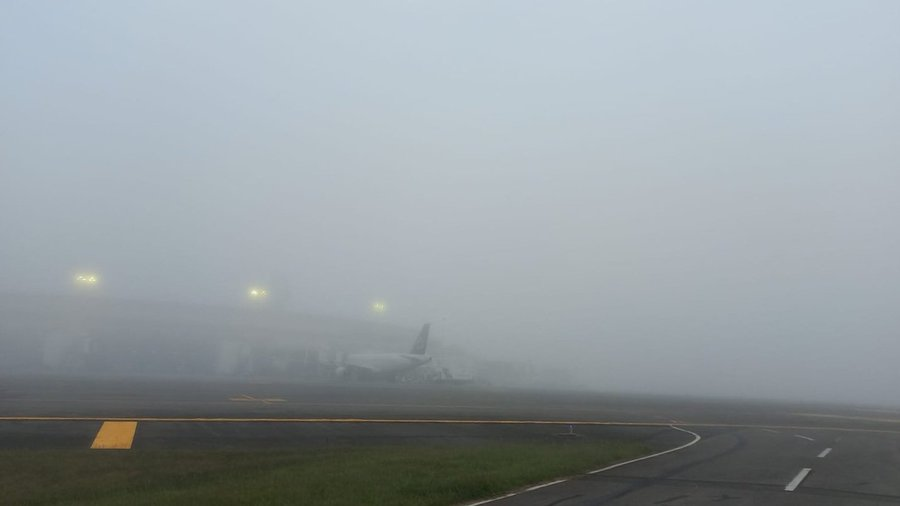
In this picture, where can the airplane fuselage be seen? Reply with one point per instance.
(386, 365)
(383, 364)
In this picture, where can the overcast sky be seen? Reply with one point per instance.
(675, 196)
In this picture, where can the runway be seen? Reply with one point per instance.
(744, 467)
(745, 452)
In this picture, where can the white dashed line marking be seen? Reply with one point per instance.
(801, 436)
(824, 453)
(797, 479)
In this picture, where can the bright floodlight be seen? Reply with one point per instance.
(257, 293)
(86, 279)
(378, 306)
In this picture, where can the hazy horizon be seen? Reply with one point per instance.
(698, 197)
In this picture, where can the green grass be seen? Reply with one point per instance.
(414, 475)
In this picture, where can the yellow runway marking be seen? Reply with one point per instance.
(115, 436)
(610, 423)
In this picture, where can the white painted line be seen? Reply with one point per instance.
(801, 436)
(620, 464)
(479, 503)
(250, 398)
(797, 480)
(536, 487)
(824, 453)
(772, 431)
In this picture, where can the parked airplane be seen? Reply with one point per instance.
(386, 365)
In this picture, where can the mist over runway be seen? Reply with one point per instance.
(749, 452)
(654, 197)
(609, 219)
(184, 398)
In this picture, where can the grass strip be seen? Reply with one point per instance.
(413, 475)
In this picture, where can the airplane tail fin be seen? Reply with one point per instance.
(422, 341)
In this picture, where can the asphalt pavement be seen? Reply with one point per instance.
(744, 467)
(731, 452)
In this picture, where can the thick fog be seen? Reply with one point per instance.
(691, 197)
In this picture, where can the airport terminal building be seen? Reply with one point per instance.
(66, 334)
